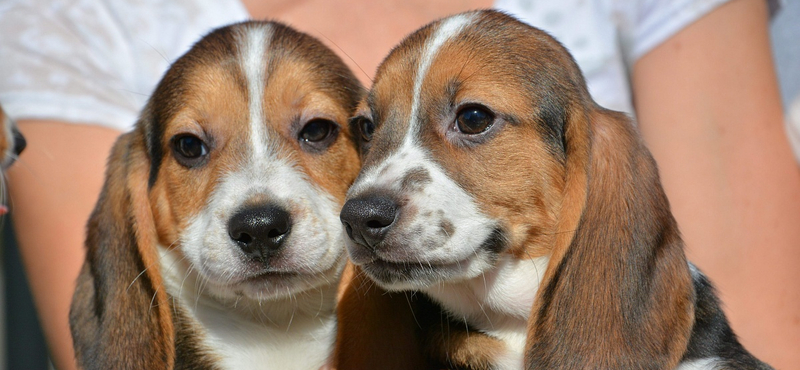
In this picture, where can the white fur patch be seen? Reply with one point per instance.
(294, 332)
(498, 302)
(701, 364)
(253, 61)
(446, 30)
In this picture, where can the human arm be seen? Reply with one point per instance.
(708, 106)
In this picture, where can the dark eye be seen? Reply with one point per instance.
(367, 128)
(317, 130)
(474, 120)
(189, 149)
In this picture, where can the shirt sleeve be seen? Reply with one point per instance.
(67, 63)
(646, 24)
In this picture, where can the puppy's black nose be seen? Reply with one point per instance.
(260, 231)
(368, 219)
(19, 142)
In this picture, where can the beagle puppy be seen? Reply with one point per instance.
(503, 220)
(12, 143)
(216, 243)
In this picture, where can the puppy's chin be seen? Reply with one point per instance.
(415, 272)
(242, 281)
(275, 285)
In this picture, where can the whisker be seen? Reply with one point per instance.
(158, 260)
(153, 300)
(347, 55)
(414, 315)
(188, 272)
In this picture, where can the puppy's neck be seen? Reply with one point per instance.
(497, 302)
(500, 297)
(296, 332)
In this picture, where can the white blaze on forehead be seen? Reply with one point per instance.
(448, 29)
(253, 59)
(445, 31)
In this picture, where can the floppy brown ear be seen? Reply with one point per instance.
(617, 293)
(120, 315)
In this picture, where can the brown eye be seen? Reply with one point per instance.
(317, 130)
(189, 150)
(367, 128)
(474, 120)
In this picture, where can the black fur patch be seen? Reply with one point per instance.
(712, 335)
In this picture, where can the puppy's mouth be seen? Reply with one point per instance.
(270, 277)
(276, 284)
(271, 282)
(416, 272)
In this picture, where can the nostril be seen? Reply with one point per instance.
(274, 233)
(243, 238)
(377, 224)
(348, 229)
(278, 224)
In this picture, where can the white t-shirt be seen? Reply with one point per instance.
(607, 36)
(97, 61)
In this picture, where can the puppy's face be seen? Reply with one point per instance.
(463, 152)
(251, 159)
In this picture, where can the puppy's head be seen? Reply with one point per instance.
(237, 167)
(463, 142)
(250, 158)
(480, 140)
